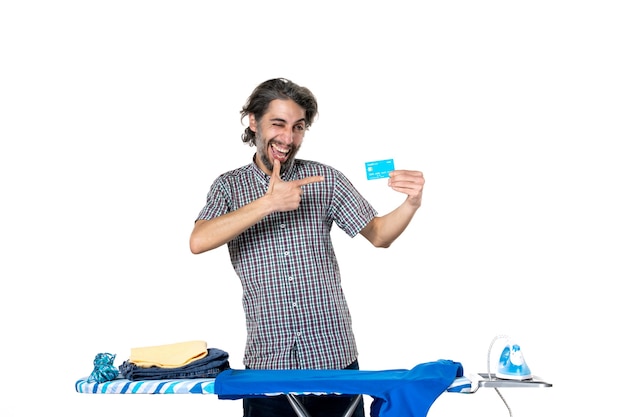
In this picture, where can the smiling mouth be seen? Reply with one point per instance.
(279, 152)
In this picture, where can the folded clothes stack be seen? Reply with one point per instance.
(182, 360)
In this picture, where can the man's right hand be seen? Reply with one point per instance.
(287, 195)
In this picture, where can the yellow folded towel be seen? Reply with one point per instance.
(168, 356)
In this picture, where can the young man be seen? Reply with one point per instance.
(275, 214)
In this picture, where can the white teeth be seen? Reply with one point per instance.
(276, 148)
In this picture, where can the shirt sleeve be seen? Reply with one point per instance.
(351, 211)
(216, 201)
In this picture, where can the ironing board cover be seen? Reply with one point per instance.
(159, 386)
(192, 386)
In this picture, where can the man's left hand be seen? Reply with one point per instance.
(408, 182)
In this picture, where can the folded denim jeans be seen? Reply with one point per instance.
(209, 366)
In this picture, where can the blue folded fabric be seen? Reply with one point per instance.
(396, 393)
(209, 366)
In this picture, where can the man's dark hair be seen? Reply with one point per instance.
(282, 89)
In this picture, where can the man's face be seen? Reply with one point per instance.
(278, 135)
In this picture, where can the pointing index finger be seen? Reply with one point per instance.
(309, 180)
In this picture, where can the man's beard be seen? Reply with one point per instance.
(265, 159)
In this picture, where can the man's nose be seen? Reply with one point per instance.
(287, 136)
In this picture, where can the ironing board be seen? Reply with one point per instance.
(206, 386)
(463, 384)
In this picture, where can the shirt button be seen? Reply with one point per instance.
(286, 253)
(294, 305)
(283, 225)
(290, 279)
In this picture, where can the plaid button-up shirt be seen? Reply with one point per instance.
(296, 313)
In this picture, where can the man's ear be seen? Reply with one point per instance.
(252, 122)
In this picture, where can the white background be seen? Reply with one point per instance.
(116, 116)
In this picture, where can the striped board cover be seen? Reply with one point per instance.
(162, 386)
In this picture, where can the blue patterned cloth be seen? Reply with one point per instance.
(103, 370)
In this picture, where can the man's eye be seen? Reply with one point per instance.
(299, 128)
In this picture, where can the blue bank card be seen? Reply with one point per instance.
(378, 169)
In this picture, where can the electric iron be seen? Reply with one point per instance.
(512, 364)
